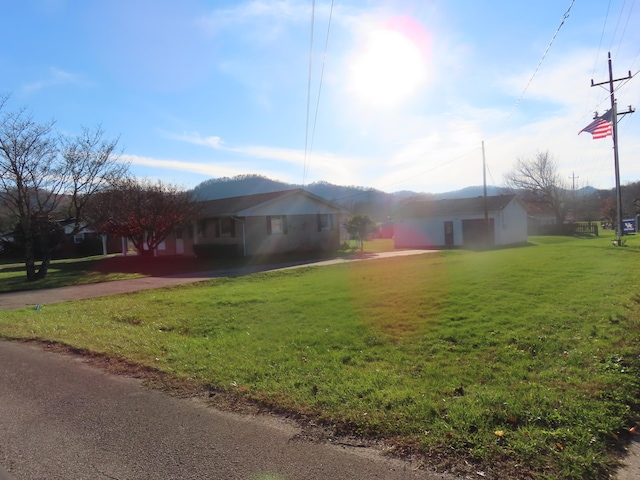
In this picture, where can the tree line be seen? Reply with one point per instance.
(538, 182)
(47, 177)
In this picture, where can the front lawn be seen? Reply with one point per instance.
(78, 271)
(517, 363)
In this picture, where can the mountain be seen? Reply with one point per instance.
(234, 187)
(358, 200)
(470, 192)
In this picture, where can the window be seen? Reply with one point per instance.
(227, 227)
(325, 222)
(202, 228)
(78, 238)
(276, 224)
(179, 233)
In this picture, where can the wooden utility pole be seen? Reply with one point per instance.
(614, 121)
(486, 208)
(573, 194)
(484, 185)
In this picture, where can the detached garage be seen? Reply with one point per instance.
(461, 222)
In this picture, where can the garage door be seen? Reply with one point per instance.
(476, 234)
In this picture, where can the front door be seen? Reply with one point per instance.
(448, 234)
(179, 242)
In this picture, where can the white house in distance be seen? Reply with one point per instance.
(261, 224)
(461, 222)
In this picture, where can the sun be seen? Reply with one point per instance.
(388, 70)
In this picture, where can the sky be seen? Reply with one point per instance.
(390, 94)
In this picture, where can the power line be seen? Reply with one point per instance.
(624, 30)
(564, 17)
(315, 118)
(444, 164)
(306, 131)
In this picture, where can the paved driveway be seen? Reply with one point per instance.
(15, 300)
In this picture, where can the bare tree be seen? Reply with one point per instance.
(537, 180)
(142, 211)
(31, 181)
(91, 164)
(40, 173)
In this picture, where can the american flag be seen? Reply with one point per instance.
(601, 127)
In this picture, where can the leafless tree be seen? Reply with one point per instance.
(91, 165)
(40, 172)
(30, 180)
(142, 211)
(537, 180)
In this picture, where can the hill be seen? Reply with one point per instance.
(377, 204)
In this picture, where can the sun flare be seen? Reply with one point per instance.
(388, 70)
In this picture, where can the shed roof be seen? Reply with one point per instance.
(453, 206)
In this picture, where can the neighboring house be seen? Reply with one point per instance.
(86, 242)
(263, 223)
(461, 222)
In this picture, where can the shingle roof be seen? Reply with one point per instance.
(454, 206)
(230, 206)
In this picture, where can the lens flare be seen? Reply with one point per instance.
(391, 65)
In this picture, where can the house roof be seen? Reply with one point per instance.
(454, 206)
(240, 206)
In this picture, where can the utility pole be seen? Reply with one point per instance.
(614, 121)
(573, 182)
(573, 194)
(484, 187)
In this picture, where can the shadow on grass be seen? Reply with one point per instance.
(101, 269)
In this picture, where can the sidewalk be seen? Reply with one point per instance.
(31, 298)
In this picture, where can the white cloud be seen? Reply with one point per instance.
(214, 170)
(196, 139)
(56, 77)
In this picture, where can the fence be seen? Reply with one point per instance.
(570, 229)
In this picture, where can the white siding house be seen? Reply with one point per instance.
(461, 223)
(262, 224)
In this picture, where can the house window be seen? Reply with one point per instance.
(276, 224)
(325, 222)
(202, 228)
(227, 227)
(179, 233)
(78, 238)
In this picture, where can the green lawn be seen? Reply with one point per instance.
(522, 362)
(116, 267)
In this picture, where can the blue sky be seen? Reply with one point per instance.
(201, 89)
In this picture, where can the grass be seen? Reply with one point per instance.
(521, 362)
(63, 273)
(115, 267)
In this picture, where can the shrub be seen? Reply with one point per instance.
(217, 251)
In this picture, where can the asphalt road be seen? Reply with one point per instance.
(62, 419)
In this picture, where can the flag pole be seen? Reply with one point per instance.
(614, 134)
